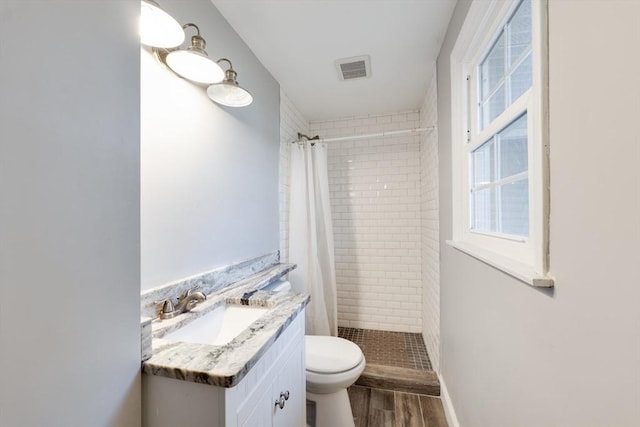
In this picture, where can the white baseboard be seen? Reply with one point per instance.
(449, 412)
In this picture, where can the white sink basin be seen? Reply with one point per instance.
(219, 326)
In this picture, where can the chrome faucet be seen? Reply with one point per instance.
(186, 302)
(189, 299)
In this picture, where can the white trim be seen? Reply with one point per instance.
(508, 180)
(518, 270)
(447, 405)
(540, 191)
(516, 109)
(499, 235)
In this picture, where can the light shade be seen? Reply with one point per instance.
(229, 95)
(193, 63)
(229, 92)
(194, 66)
(157, 27)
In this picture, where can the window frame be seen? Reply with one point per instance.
(523, 258)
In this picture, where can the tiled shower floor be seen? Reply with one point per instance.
(399, 349)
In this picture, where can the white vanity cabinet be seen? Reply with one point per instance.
(282, 383)
(279, 400)
(254, 402)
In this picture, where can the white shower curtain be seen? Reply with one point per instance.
(311, 237)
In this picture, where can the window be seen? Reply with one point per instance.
(499, 182)
(499, 151)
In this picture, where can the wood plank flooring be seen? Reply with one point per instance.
(374, 407)
(397, 387)
(400, 379)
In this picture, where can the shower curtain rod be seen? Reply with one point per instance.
(368, 135)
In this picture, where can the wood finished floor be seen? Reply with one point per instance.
(374, 407)
(400, 379)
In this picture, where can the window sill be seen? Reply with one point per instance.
(518, 270)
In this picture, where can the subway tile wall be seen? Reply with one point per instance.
(429, 229)
(291, 122)
(375, 196)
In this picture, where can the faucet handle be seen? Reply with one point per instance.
(168, 310)
(187, 293)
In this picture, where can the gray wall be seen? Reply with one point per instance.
(69, 214)
(517, 356)
(209, 173)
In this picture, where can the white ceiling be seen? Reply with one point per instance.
(299, 40)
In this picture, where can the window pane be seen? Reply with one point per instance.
(513, 148)
(520, 79)
(496, 206)
(493, 67)
(506, 72)
(483, 164)
(493, 107)
(483, 203)
(514, 208)
(520, 31)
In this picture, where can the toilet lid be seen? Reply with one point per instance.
(330, 355)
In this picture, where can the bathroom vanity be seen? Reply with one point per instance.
(254, 377)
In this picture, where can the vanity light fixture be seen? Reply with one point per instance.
(192, 63)
(157, 27)
(164, 34)
(228, 92)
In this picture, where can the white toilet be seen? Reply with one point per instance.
(332, 365)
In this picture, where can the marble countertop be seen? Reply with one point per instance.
(223, 365)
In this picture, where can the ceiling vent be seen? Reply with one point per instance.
(354, 68)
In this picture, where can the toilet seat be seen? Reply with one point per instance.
(331, 355)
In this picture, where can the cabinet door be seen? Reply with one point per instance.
(291, 379)
(258, 415)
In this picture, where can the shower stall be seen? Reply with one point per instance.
(383, 187)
